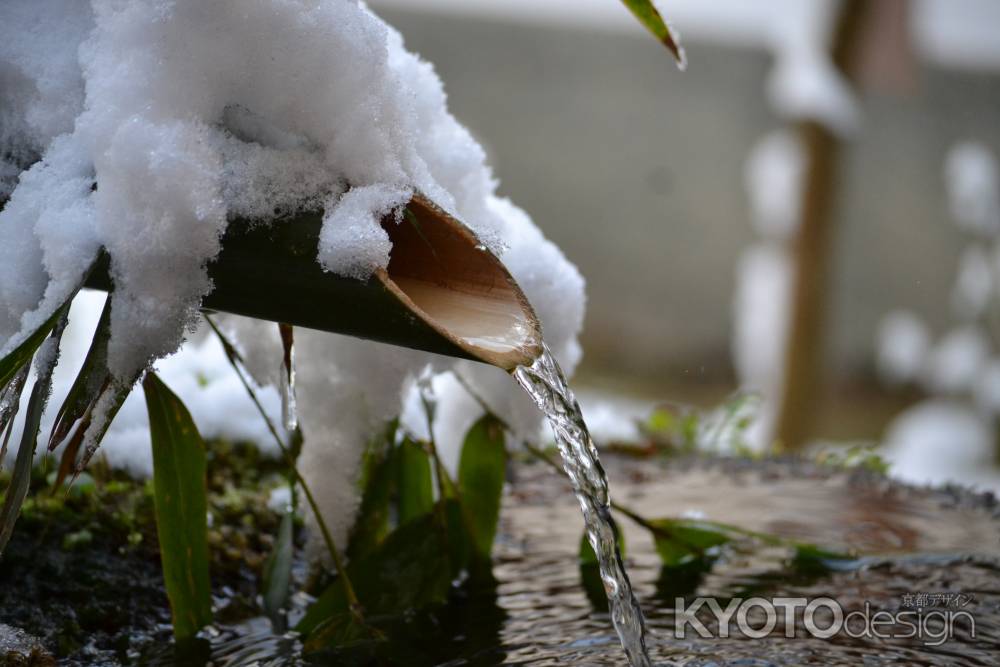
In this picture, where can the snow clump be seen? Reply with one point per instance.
(149, 127)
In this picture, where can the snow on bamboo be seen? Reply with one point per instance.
(147, 128)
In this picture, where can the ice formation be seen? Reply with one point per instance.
(158, 124)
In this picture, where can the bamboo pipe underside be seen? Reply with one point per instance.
(442, 291)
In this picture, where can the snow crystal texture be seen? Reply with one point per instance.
(149, 127)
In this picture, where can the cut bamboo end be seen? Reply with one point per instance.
(442, 272)
(442, 292)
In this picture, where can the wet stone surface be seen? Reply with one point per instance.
(943, 545)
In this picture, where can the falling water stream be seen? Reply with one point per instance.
(544, 382)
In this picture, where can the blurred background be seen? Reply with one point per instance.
(808, 212)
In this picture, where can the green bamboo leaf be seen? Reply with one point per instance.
(89, 384)
(93, 385)
(682, 541)
(810, 558)
(278, 569)
(481, 472)
(461, 544)
(379, 481)
(416, 487)
(181, 507)
(112, 396)
(408, 571)
(10, 403)
(341, 630)
(651, 18)
(21, 475)
(21, 355)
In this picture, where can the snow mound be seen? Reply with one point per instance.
(941, 441)
(149, 128)
(158, 124)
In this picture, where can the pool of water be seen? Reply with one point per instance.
(913, 541)
(930, 553)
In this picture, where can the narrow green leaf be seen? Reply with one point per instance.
(111, 396)
(21, 476)
(461, 545)
(685, 542)
(651, 18)
(10, 403)
(278, 569)
(89, 383)
(23, 353)
(91, 386)
(372, 524)
(408, 571)
(181, 507)
(681, 541)
(811, 558)
(481, 472)
(376, 451)
(341, 630)
(416, 487)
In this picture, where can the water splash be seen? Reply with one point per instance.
(544, 382)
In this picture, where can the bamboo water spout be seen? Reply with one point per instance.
(442, 292)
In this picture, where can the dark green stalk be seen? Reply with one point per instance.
(235, 360)
(444, 481)
(630, 513)
(481, 401)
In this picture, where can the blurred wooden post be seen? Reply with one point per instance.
(812, 251)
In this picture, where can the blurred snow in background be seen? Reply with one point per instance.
(773, 174)
(953, 434)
